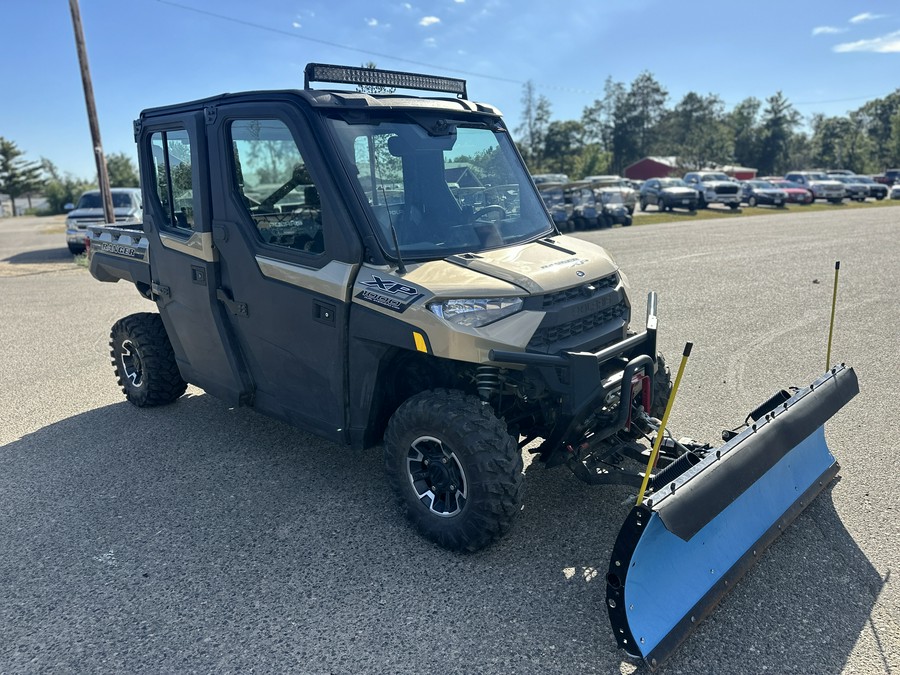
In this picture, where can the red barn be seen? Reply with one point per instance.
(660, 167)
(652, 167)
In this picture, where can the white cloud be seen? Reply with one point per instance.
(886, 44)
(459, 1)
(297, 24)
(371, 22)
(827, 30)
(429, 20)
(430, 42)
(866, 16)
(406, 5)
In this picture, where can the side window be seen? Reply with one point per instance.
(274, 185)
(173, 185)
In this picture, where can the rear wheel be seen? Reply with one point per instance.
(144, 361)
(751, 201)
(76, 249)
(643, 204)
(455, 468)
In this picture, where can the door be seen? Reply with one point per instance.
(285, 261)
(183, 263)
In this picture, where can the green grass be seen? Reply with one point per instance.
(653, 216)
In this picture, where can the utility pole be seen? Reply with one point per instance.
(99, 157)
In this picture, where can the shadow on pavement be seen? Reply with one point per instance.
(57, 254)
(196, 537)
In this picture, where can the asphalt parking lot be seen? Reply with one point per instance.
(198, 538)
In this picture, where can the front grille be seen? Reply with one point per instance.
(545, 337)
(580, 292)
(82, 223)
(726, 189)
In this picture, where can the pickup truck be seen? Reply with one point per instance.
(89, 211)
(714, 187)
(820, 184)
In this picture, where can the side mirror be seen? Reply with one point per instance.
(68, 207)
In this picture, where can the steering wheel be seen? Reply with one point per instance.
(490, 207)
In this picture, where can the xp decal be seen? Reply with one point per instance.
(388, 293)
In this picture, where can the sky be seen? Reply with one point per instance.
(826, 56)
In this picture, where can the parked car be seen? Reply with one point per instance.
(895, 191)
(760, 192)
(89, 211)
(893, 175)
(617, 183)
(876, 190)
(820, 184)
(854, 189)
(714, 187)
(796, 194)
(668, 193)
(559, 204)
(539, 178)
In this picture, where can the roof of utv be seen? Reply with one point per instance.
(347, 99)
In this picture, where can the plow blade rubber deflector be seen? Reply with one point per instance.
(687, 544)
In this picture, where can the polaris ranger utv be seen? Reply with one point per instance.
(381, 268)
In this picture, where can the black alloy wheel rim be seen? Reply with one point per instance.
(132, 366)
(437, 477)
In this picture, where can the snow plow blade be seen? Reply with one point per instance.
(686, 545)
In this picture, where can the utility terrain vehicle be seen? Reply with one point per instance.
(381, 268)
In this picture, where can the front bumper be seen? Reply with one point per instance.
(717, 198)
(586, 382)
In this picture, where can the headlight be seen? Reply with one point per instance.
(476, 312)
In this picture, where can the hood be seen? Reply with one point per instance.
(827, 183)
(547, 265)
(122, 211)
(679, 190)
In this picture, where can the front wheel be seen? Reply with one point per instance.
(662, 387)
(455, 468)
(751, 202)
(144, 361)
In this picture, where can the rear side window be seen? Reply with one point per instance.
(172, 181)
(275, 187)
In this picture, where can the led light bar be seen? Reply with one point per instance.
(323, 72)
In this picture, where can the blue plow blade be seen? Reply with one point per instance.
(689, 542)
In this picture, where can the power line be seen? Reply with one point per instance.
(430, 66)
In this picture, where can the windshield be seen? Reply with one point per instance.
(92, 200)
(461, 189)
(820, 176)
(672, 182)
(715, 176)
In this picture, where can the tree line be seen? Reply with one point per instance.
(21, 178)
(627, 123)
(633, 121)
